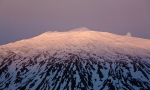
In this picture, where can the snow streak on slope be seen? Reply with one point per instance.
(75, 60)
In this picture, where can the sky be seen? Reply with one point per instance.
(23, 19)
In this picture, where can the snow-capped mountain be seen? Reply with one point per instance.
(79, 59)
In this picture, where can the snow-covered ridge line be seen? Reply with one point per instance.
(79, 38)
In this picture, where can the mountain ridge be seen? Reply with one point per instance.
(78, 38)
(85, 32)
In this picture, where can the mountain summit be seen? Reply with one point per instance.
(80, 59)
